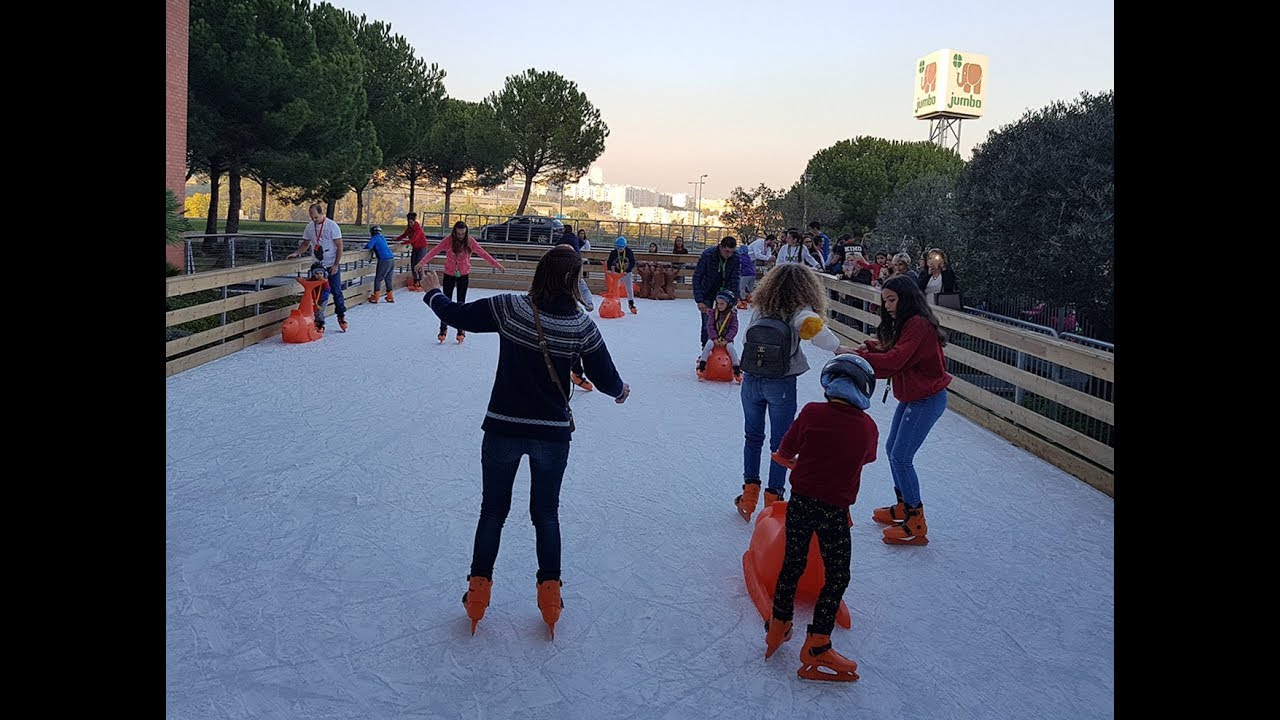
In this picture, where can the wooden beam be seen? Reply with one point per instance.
(1082, 469)
(183, 344)
(217, 351)
(1088, 404)
(183, 284)
(1052, 430)
(1077, 357)
(235, 302)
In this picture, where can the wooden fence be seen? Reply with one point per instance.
(998, 369)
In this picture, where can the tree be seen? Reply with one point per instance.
(337, 145)
(553, 126)
(403, 95)
(860, 173)
(1037, 209)
(250, 63)
(752, 214)
(919, 215)
(197, 205)
(800, 205)
(466, 149)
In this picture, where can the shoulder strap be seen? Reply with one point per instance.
(546, 357)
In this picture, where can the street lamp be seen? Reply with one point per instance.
(699, 213)
(693, 236)
(805, 223)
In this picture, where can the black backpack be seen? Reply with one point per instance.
(767, 348)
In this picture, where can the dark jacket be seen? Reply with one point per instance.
(713, 274)
(949, 282)
(525, 402)
(628, 261)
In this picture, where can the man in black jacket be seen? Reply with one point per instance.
(718, 269)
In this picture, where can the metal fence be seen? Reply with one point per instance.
(222, 250)
(1081, 422)
(1061, 318)
(600, 233)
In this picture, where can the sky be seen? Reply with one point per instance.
(745, 91)
(316, 555)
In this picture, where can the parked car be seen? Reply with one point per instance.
(524, 228)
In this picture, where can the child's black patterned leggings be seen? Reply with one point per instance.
(806, 516)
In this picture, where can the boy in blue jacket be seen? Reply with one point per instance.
(386, 263)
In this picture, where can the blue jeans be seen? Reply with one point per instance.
(499, 459)
(911, 425)
(334, 287)
(777, 396)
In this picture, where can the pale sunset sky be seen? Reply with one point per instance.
(745, 91)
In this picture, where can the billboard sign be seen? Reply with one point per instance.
(950, 83)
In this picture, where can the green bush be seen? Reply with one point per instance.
(1036, 208)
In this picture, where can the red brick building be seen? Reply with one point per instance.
(177, 18)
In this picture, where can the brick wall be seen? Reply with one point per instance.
(177, 19)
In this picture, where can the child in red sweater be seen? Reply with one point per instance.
(825, 448)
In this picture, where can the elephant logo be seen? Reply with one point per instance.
(969, 78)
(930, 80)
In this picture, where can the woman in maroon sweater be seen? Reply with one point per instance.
(908, 350)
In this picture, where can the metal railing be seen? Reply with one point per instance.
(859, 296)
(600, 233)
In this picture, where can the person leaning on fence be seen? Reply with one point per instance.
(901, 265)
(907, 349)
(856, 268)
(820, 238)
(794, 252)
(835, 263)
(789, 306)
(540, 333)
(678, 248)
(717, 270)
(386, 263)
(417, 240)
(939, 278)
(324, 239)
(583, 246)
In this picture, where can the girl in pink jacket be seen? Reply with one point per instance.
(457, 266)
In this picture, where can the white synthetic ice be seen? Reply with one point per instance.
(322, 501)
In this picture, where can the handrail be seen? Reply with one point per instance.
(1012, 321)
(1102, 344)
